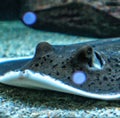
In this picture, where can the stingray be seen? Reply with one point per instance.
(70, 17)
(90, 69)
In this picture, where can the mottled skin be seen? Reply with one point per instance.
(61, 62)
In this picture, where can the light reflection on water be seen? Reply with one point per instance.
(79, 77)
(29, 18)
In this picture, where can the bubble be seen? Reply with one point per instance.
(79, 77)
(29, 18)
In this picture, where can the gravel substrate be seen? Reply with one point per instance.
(18, 40)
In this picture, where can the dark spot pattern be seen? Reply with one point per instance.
(105, 78)
(61, 62)
(63, 66)
(37, 64)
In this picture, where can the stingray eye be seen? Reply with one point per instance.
(43, 48)
(89, 50)
(85, 53)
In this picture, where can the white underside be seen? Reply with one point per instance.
(2, 60)
(29, 79)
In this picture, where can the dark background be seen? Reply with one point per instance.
(10, 9)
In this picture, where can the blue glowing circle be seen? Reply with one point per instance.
(79, 77)
(29, 18)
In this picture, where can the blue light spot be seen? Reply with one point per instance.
(79, 77)
(29, 18)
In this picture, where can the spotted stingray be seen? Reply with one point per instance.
(89, 69)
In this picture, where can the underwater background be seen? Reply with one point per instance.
(17, 39)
